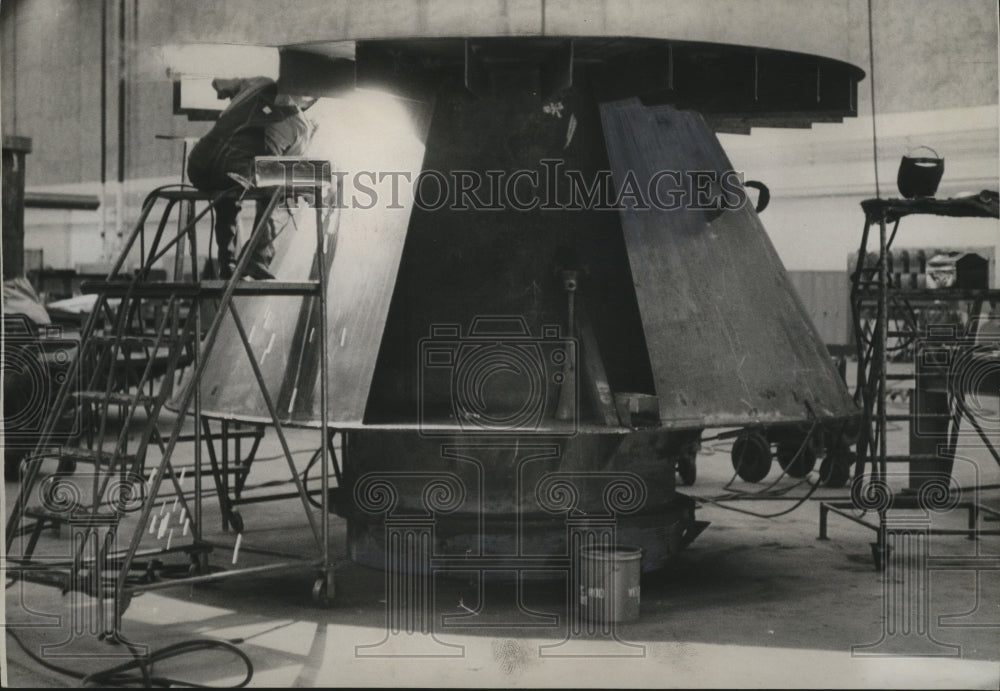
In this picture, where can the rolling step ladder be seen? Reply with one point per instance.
(108, 491)
(886, 323)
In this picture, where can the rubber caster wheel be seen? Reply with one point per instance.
(751, 457)
(688, 470)
(323, 591)
(154, 571)
(796, 466)
(198, 565)
(236, 521)
(835, 470)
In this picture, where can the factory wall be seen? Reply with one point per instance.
(90, 82)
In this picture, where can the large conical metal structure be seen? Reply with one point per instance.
(539, 240)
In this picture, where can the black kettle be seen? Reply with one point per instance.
(919, 176)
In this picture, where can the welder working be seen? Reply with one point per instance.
(259, 121)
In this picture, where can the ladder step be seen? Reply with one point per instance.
(900, 377)
(115, 397)
(913, 457)
(136, 341)
(921, 416)
(81, 455)
(211, 288)
(42, 514)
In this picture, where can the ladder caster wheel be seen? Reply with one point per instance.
(198, 565)
(323, 590)
(236, 521)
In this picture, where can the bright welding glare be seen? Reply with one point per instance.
(363, 131)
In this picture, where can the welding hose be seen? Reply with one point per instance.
(125, 674)
(800, 502)
(305, 484)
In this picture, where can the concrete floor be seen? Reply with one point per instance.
(754, 602)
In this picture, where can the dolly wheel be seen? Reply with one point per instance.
(323, 590)
(796, 466)
(751, 457)
(687, 468)
(835, 469)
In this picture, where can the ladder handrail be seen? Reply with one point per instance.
(107, 361)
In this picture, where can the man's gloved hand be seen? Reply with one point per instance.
(227, 88)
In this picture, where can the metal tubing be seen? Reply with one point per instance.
(225, 474)
(257, 550)
(189, 227)
(323, 366)
(272, 497)
(137, 230)
(855, 519)
(198, 498)
(208, 578)
(277, 424)
(213, 462)
(882, 323)
(188, 393)
(160, 227)
(861, 374)
(32, 468)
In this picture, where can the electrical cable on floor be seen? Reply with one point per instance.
(769, 492)
(775, 494)
(125, 674)
(800, 502)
